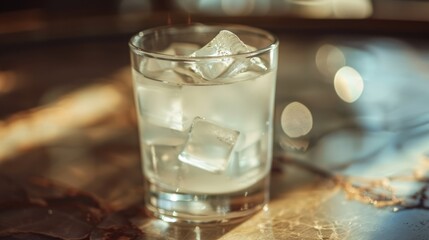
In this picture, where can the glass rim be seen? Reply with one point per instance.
(253, 30)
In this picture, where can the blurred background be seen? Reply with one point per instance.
(41, 20)
(49, 50)
(64, 65)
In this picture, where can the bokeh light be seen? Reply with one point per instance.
(226, 7)
(312, 8)
(344, 9)
(352, 8)
(237, 7)
(296, 120)
(329, 59)
(348, 84)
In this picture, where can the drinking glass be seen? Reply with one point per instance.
(205, 121)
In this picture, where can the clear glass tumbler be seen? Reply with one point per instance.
(205, 121)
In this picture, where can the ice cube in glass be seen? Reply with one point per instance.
(224, 44)
(162, 105)
(209, 146)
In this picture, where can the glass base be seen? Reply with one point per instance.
(192, 208)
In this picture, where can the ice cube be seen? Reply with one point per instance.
(209, 146)
(154, 134)
(161, 105)
(155, 66)
(224, 44)
(247, 154)
(183, 49)
(161, 164)
(159, 65)
(167, 70)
